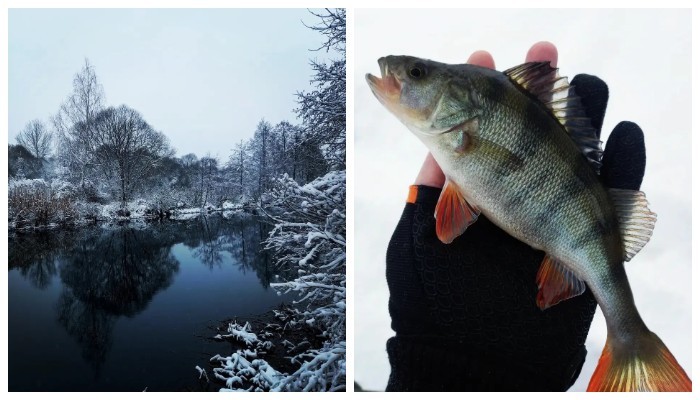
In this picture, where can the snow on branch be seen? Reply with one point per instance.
(236, 370)
(324, 370)
(323, 109)
(309, 237)
(308, 240)
(331, 25)
(240, 333)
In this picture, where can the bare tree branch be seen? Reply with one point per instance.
(36, 138)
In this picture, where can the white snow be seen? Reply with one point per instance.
(240, 333)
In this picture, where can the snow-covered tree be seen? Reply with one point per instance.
(308, 240)
(323, 109)
(309, 237)
(127, 150)
(260, 147)
(238, 168)
(22, 163)
(74, 123)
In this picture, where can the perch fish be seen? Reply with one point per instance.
(517, 147)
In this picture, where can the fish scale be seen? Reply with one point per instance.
(540, 181)
(517, 147)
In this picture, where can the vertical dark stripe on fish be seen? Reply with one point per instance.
(604, 223)
(599, 229)
(493, 90)
(504, 161)
(568, 191)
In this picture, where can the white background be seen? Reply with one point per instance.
(645, 58)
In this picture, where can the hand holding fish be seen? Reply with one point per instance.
(474, 307)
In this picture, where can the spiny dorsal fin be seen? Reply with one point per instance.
(556, 283)
(635, 219)
(543, 81)
(453, 214)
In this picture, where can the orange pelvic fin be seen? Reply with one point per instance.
(643, 365)
(453, 213)
(556, 283)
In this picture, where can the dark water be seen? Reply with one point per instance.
(126, 307)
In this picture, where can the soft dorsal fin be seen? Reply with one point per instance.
(556, 283)
(635, 219)
(543, 81)
(453, 214)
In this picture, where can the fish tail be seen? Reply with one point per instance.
(643, 364)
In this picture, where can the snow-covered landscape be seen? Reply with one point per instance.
(103, 171)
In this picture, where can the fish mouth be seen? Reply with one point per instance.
(386, 88)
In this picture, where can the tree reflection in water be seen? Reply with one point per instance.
(114, 272)
(240, 237)
(89, 325)
(36, 255)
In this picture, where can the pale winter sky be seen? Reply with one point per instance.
(645, 58)
(202, 77)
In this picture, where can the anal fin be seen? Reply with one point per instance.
(453, 213)
(556, 283)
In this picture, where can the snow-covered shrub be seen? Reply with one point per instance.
(63, 188)
(88, 211)
(321, 369)
(238, 368)
(141, 208)
(309, 237)
(165, 197)
(134, 210)
(91, 192)
(308, 240)
(36, 202)
(229, 205)
(110, 211)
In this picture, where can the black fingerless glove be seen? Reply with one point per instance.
(465, 315)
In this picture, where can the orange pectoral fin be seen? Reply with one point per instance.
(556, 283)
(453, 214)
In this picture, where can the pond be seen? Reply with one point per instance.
(125, 308)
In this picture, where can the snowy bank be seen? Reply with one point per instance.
(308, 240)
(37, 204)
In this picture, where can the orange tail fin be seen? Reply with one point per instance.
(643, 366)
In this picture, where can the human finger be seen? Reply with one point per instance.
(543, 51)
(430, 173)
(482, 58)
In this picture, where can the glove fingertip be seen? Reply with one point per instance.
(594, 94)
(624, 159)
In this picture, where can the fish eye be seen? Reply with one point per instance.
(417, 71)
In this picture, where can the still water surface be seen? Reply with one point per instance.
(125, 308)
